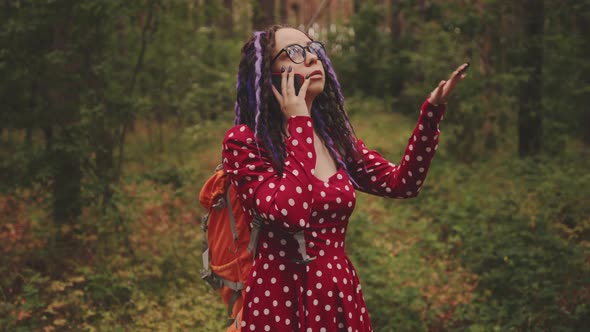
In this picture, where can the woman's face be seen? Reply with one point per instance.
(289, 36)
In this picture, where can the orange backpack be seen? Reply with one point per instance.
(229, 245)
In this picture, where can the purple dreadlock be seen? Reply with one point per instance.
(330, 70)
(258, 72)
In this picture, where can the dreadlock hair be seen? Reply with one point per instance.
(257, 107)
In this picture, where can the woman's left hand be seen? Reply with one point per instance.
(440, 95)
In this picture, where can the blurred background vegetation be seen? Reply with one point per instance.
(113, 112)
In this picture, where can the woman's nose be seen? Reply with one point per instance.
(310, 58)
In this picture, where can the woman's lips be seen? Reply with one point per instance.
(316, 74)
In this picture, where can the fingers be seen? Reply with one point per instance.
(452, 82)
(454, 75)
(304, 86)
(290, 81)
(463, 67)
(284, 81)
(459, 73)
(291, 101)
(441, 93)
(289, 87)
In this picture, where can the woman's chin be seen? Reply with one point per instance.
(315, 88)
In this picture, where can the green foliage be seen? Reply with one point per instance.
(505, 222)
(191, 78)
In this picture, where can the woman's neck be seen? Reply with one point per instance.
(309, 102)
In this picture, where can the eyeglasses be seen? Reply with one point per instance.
(296, 52)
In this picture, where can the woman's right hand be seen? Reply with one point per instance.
(440, 94)
(291, 103)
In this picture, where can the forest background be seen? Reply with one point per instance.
(112, 115)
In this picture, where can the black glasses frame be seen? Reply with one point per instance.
(308, 48)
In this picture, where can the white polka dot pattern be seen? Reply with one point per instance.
(324, 295)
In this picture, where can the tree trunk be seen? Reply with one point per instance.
(356, 6)
(227, 19)
(67, 201)
(395, 20)
(30, 121)
(263, 14)
(64, 106)
(147, 29)
(29, 136)
(530, 117)
(421, 4)
(105, 162)
(48, 135)
(486, 47)
(296, 7)
(283, 11)
(208, 16)
(583, 29)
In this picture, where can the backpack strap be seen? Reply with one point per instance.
(206, 272)
(256, 225)
(230, 212)
(232, 302)
(300, 238)
(237, 320)
(254, 235)
(256, 222)
(217, 282)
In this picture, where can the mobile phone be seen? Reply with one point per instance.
(276, 81)
(462, 71)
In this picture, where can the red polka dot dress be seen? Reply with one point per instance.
(302, 279)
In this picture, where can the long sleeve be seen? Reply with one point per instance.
(375, 175)
(286, 197)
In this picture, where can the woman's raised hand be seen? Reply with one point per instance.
(440, 95)
(291, 103)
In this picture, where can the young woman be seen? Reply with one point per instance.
(296, 163)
